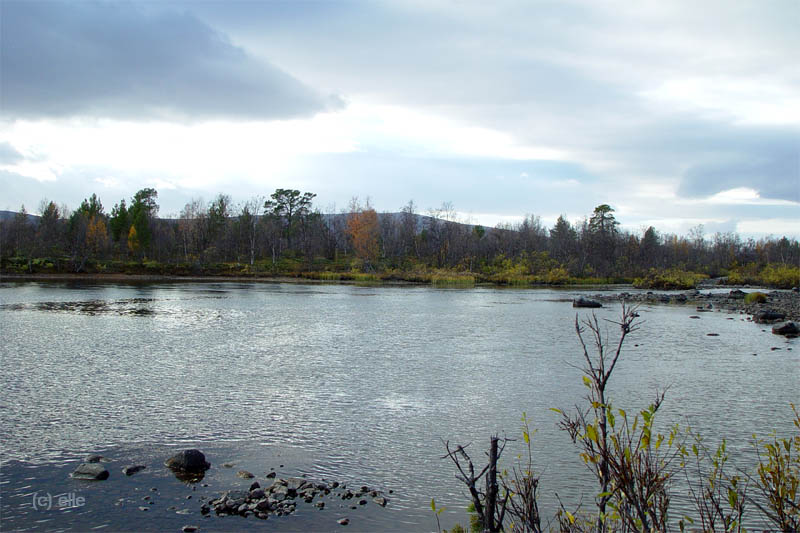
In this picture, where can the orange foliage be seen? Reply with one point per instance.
(363, 228)
(96, 235)
(133, 240)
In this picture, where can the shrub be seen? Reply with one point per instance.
(755, 297)
(780, 276)
(669, 279)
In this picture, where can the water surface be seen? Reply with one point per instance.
(346, 382)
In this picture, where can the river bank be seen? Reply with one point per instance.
(786, 303)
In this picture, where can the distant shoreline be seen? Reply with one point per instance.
(787, 302)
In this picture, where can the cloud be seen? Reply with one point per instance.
(767, 162)
(9, 155)
(118, 60)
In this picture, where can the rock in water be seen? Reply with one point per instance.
(790, 329)
(188, 462)
(768, 316)
(131, 470)
(90, 471)
(585, 302)
(380, 500)
(244, 474)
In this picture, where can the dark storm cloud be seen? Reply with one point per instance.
(117, 60)
(766, 160)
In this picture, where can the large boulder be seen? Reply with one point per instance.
(790, 329)
(585, 302)
(190, 462)
(768, 316)
(90, 471)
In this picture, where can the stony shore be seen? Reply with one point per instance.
(786, 303)
(272, 496)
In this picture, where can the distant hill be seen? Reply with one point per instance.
(8, 215)
(423, 221)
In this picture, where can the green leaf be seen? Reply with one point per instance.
(433, 505)
(695, 451)
(591, 433)
(587, 381)
(526, 437)
(570, 517)
(732, 497)
(556, 410)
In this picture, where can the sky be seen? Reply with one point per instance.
(676, 113)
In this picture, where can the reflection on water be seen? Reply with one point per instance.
(366, 386)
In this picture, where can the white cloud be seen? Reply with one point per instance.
(738, 196)
(775, 227)
(748, 101)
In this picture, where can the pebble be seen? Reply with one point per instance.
(343, 521)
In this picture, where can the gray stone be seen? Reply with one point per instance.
(768, 316)
(789, 329)
(131, 470)
(380, 500)
(188, 462)
(343, 521)
(90, 471)
(296, 483)
(280, 493)
(257, 494)
(585, 302)
(244, 474)
(263, 506)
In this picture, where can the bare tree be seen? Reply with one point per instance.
(626, 455)
(489, 506)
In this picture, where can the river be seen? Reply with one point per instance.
(345, 382)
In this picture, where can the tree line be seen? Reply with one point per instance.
(286, 233)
